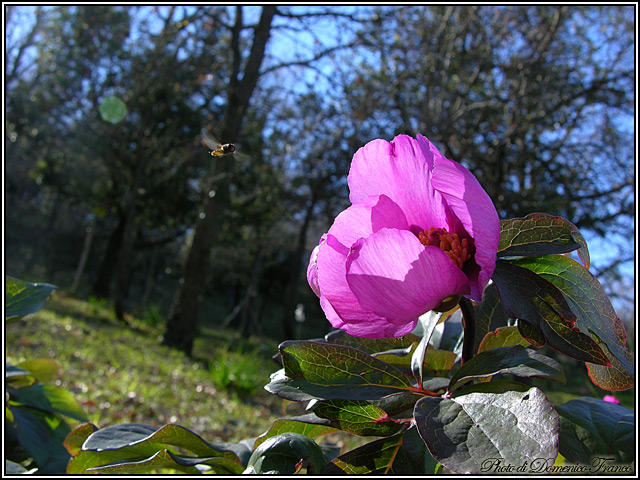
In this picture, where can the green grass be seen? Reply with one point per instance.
(123, 375)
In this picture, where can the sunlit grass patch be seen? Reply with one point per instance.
(120, 375)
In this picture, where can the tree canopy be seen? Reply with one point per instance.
(537, 101)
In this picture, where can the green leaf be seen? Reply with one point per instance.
(17, 378)
(76, 438)
(286, 454)
(615, 378)
(371, 345)
(357, 417)
(489, 313)
(164, 459)
(494, 386)
(42, 435)
(12, 468)
(22, 298)
(375, 458)
(428, 321)
(401, 454)
(448, 335)
(11, 371)
(113, 110)
(540, 234)
(43, 369)
(301, 425)
(465, 431)
(528, 296)
(516, 360)
(436, 362)
(592, 428)
(324, 371)
(138, 442)
(595, 316)
(398, 403)
(531, 333)
(50, 398)
(502, 337)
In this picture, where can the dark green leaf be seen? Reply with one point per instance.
(540, 234)
(33, 433)
(112, 109)
(595, 316)
(42, 434)
(357, 417)
(324, 371)
(465, 431)
(286, 454)
(502, 337)
(516, 360)
(50, 398)
(526, 295)
(22, 298)
(592, 428)
(300, 425)
(435, 384)
(489, 313)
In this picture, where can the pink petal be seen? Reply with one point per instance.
(473, 207)
(368, 325)
(333, 283)
(367, 217)
(338, 302)
(401, 170)
(393, 275)
(312, 270)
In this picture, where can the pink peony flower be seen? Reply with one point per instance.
(612, 399)
(420, 230)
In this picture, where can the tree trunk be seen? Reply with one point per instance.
(289, 303)
(183, 316)
(102, 285)
(248, 315)
(150, 277)
(123, 266)
(83, 258)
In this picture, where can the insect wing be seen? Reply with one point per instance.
(210, 142)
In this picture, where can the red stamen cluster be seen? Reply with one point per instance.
(449, 243)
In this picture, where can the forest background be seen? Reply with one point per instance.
(537, 101)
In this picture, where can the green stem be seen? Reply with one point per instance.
(469, 326)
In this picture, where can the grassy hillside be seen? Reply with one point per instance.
(121, 375)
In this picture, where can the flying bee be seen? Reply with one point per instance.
(216, 148)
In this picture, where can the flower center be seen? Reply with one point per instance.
(449, 243)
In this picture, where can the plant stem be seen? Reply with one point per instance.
(469, 326)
